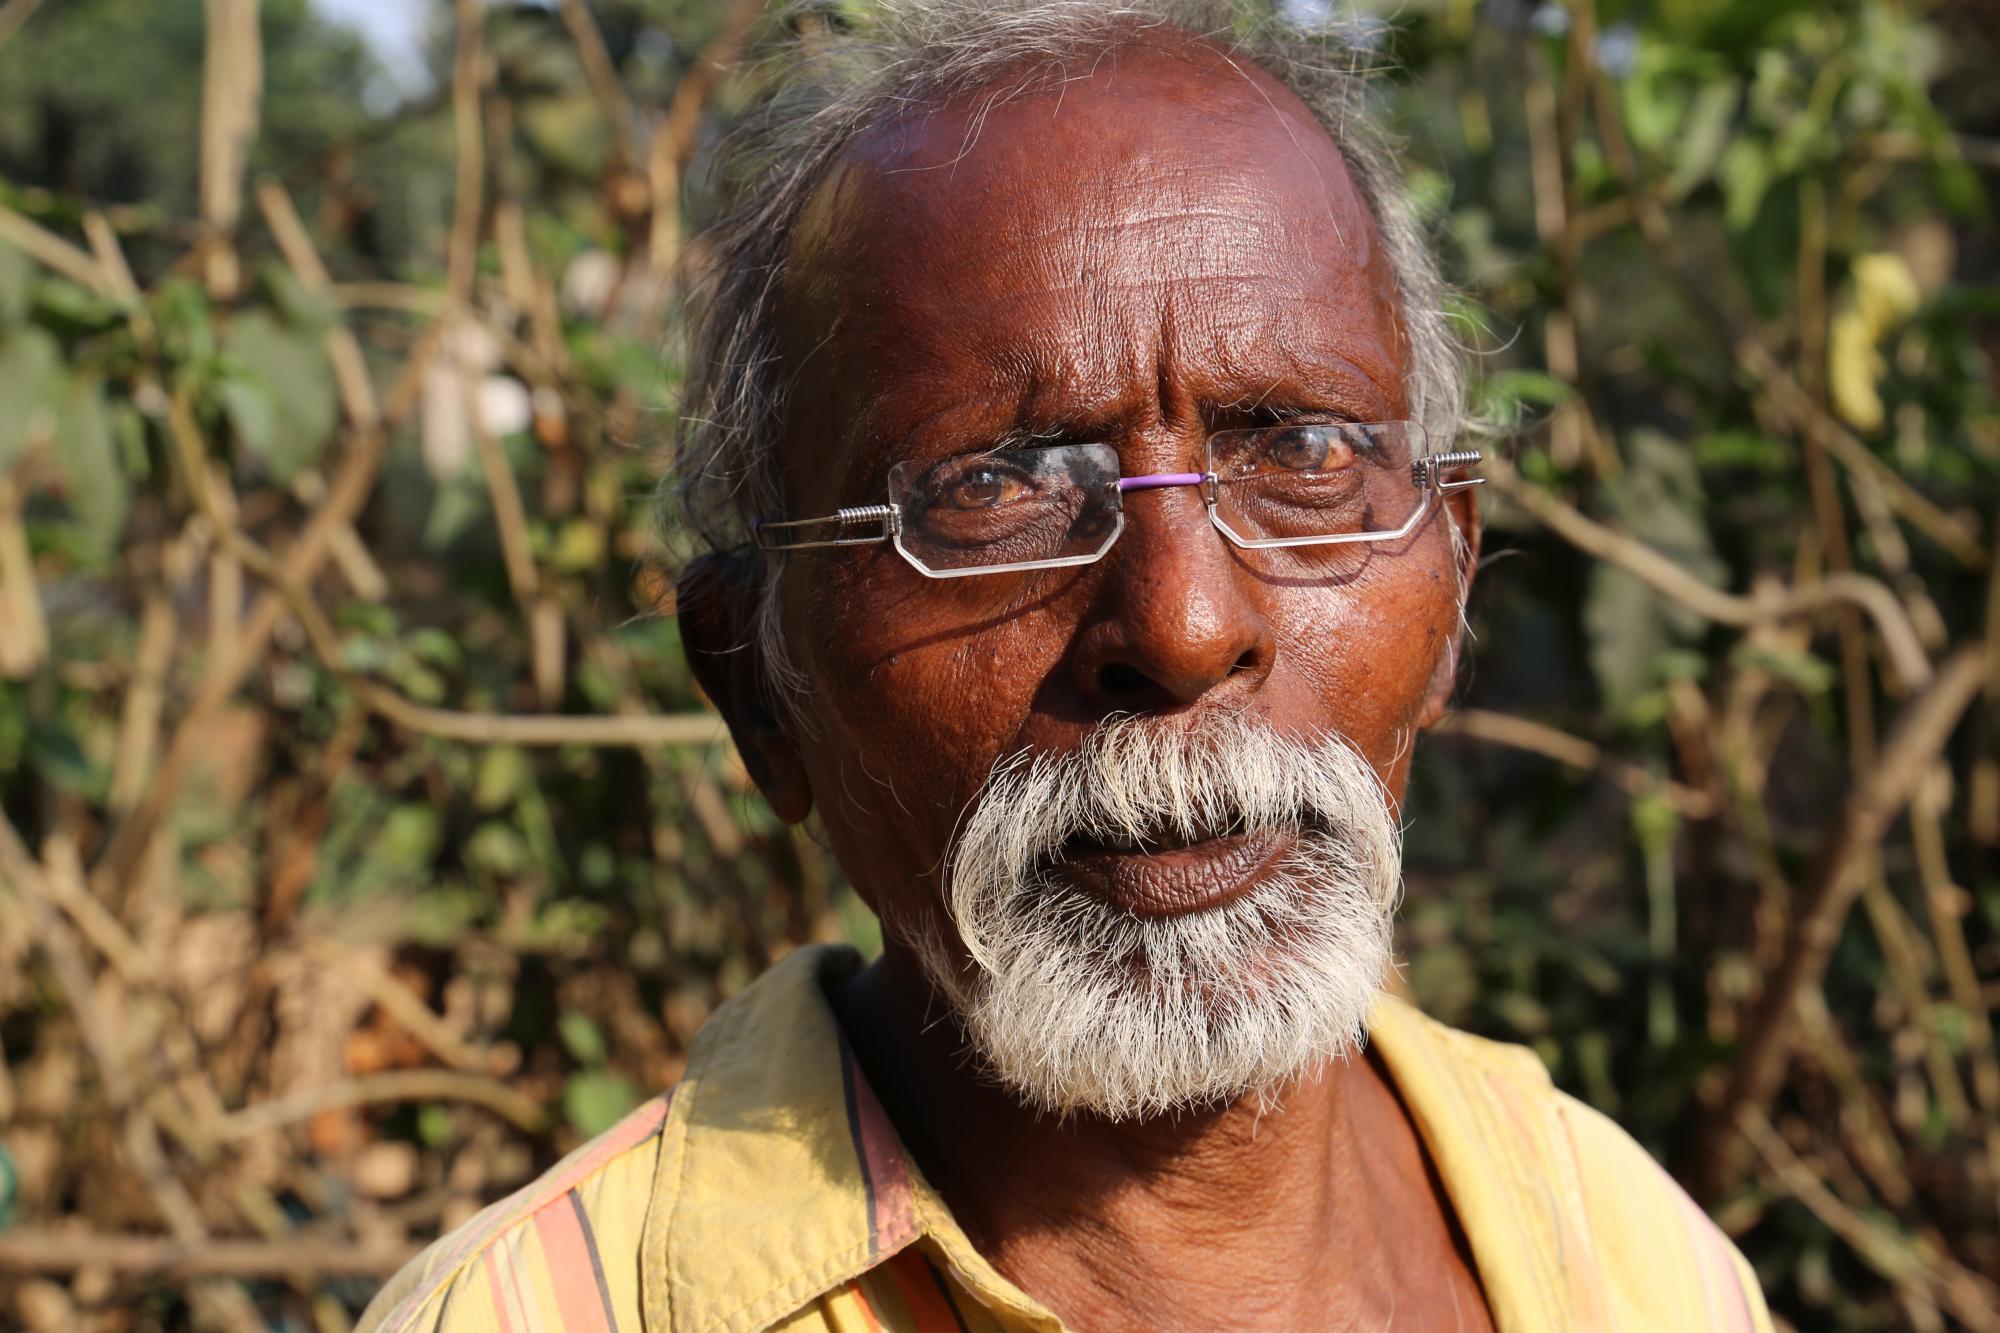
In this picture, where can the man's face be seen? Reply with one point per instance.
(1166, 246)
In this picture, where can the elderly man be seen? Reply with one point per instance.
(1074, 426)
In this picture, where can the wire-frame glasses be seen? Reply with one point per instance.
(1044, 507)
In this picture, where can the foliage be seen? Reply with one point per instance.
(271, 673)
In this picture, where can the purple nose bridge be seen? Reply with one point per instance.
(1161, 479)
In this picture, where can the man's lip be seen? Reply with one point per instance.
(1177, 881)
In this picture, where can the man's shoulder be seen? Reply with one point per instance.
(561, 1252)
(1490, 1109)
(1647, 1230)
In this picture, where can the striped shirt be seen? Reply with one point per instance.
(769, 1190)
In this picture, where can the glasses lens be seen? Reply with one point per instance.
(1008, 507)
(1305, 482)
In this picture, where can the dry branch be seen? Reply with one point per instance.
(395, 1085)
(673, 140)
(53, 252)
(602, 75)
(1892, 622)
(232, 83)
(299, 1257)
(1838, 878)
(141, 1140)
(1972, 1299)
(467, 74)
(1525, 734)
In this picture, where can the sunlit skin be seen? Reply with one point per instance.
(1164, 246)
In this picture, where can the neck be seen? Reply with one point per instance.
(1281, 1211)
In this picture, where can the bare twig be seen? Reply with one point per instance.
(350, 369)
(27, 1249)
(232, 82)
(1817, 423)
(52, 251)
(1946, 903)
(673, 140)
(1522, 733)
(1912, 747)
(394, 1085)
(467, 74)
(401, 1004)
(1899, 637)
(603, 77)
(639, 733)
(1970, 1297)
(510, 515)
(696, 729)
(24, 633)
(145, 702)
(141, 1136)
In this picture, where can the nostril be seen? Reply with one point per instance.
(1121, 680)
(1247, 663)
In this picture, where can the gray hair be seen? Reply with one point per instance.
(833, 81)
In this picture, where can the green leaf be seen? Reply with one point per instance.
(99, 493)
(1744, 449)
(10, 1187)
(31, 378)
(288, 427)
(307, 311)
(503, 771)
(67, 303)
(1500, 398)
(597, 1099)
(1745, 173)
(408, 839)
(185, 320)
(1703, 137)
(498, 848)
(1804, 671)
(56, 757)
(252, 410)
(586, 1044)
(16, 273)
(1627, 635)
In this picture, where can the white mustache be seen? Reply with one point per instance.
(1134, 778)
(1078, 1005)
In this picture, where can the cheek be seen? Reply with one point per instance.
(1364, 655)
(914, 697)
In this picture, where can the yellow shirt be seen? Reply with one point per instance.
(769, 1190)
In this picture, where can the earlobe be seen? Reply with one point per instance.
(716, 601)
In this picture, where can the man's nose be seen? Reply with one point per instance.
(1177, 618)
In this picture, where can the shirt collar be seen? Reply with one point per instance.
(780, 1177)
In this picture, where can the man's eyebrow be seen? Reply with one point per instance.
(1328, 384)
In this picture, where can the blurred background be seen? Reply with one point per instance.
(366, 844)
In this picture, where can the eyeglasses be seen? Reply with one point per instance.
(1046, 507)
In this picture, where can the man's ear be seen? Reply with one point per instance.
(717, 601)
(1462, 510)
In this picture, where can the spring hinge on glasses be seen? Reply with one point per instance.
(888, 516)
(1426, 472)
(776, 536)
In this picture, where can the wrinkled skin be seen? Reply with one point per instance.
(1165, 246)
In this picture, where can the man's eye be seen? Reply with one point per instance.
(1308, 449)
(984, 488)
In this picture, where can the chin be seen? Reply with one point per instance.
(1081, 1006)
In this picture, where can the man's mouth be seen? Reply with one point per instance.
(1169, 873)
